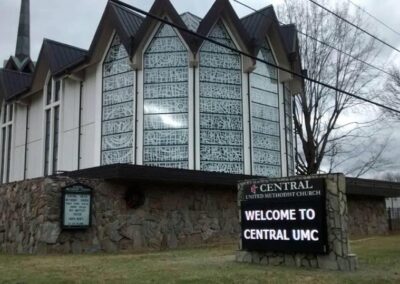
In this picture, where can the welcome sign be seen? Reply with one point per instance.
(285, 216)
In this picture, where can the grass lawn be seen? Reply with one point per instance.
(379, 261)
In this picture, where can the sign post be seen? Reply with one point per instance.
(76, 207)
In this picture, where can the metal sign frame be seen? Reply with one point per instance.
(70, 190)
(259, 202)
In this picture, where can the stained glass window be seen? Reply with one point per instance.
(289, 130)
(118, 106)
(165, 101)
(264, 109)
(221, 114)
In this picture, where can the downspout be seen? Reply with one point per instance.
(26, 141)
(194, 118)
(80, 124)
(286, 130)
(136, 117)
(250, 125)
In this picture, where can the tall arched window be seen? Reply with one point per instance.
(165, 101)
(264, 110)
(118, 106)
(221, 114)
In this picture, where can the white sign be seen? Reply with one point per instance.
(76, 210)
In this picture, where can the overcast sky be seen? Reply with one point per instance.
(75, 22)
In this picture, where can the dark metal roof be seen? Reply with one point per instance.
(222, 8)
(191, 21)
(257, 23)
(124, 21)
(163, 8)
(13, 83)
(127, 172)
(61, 56)
(132, 28)
(148, 174)
(129, 20)
(368, 187)
(289, 35)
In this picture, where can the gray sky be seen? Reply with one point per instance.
(75, 22)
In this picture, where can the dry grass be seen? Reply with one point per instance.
(379, 263)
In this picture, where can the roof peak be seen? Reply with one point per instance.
(258, 11)
(51, 41)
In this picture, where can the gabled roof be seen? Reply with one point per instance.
(61, 56)
(289, 35)
(25, 65)
(191, 21)
(13, 83)
(259, 24)
(124, 21)
(55, 57)
(162, 8)
(134, 29)
(223, 9)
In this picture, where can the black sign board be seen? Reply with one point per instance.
(284, 216)
(76, 205)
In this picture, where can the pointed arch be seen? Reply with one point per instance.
(220, 104)
(166, 100)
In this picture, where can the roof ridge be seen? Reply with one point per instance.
(51, 41)
(187, 12)
(15, 72)
(126, 9)
(288, 25)
(258, 11)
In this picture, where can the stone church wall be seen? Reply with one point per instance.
(171, 217)
(368, 216)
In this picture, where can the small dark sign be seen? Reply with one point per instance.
(285, 216)
(76, 207)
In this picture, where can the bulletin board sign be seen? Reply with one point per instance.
(76, 207)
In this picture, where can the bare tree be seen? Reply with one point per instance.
(391, 176)
(318, 119)
(391, 94)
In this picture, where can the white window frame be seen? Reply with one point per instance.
(6, 160)
(51, 107)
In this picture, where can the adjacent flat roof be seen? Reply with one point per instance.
(369, 187)
(129, 173)
(126, 172)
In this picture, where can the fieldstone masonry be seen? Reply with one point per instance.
(368, 216)
(171, 217)
(339, 256)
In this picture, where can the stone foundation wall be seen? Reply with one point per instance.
(368, 216)
(171, 217)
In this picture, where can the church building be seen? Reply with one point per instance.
(145, 93)
(138, 142)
